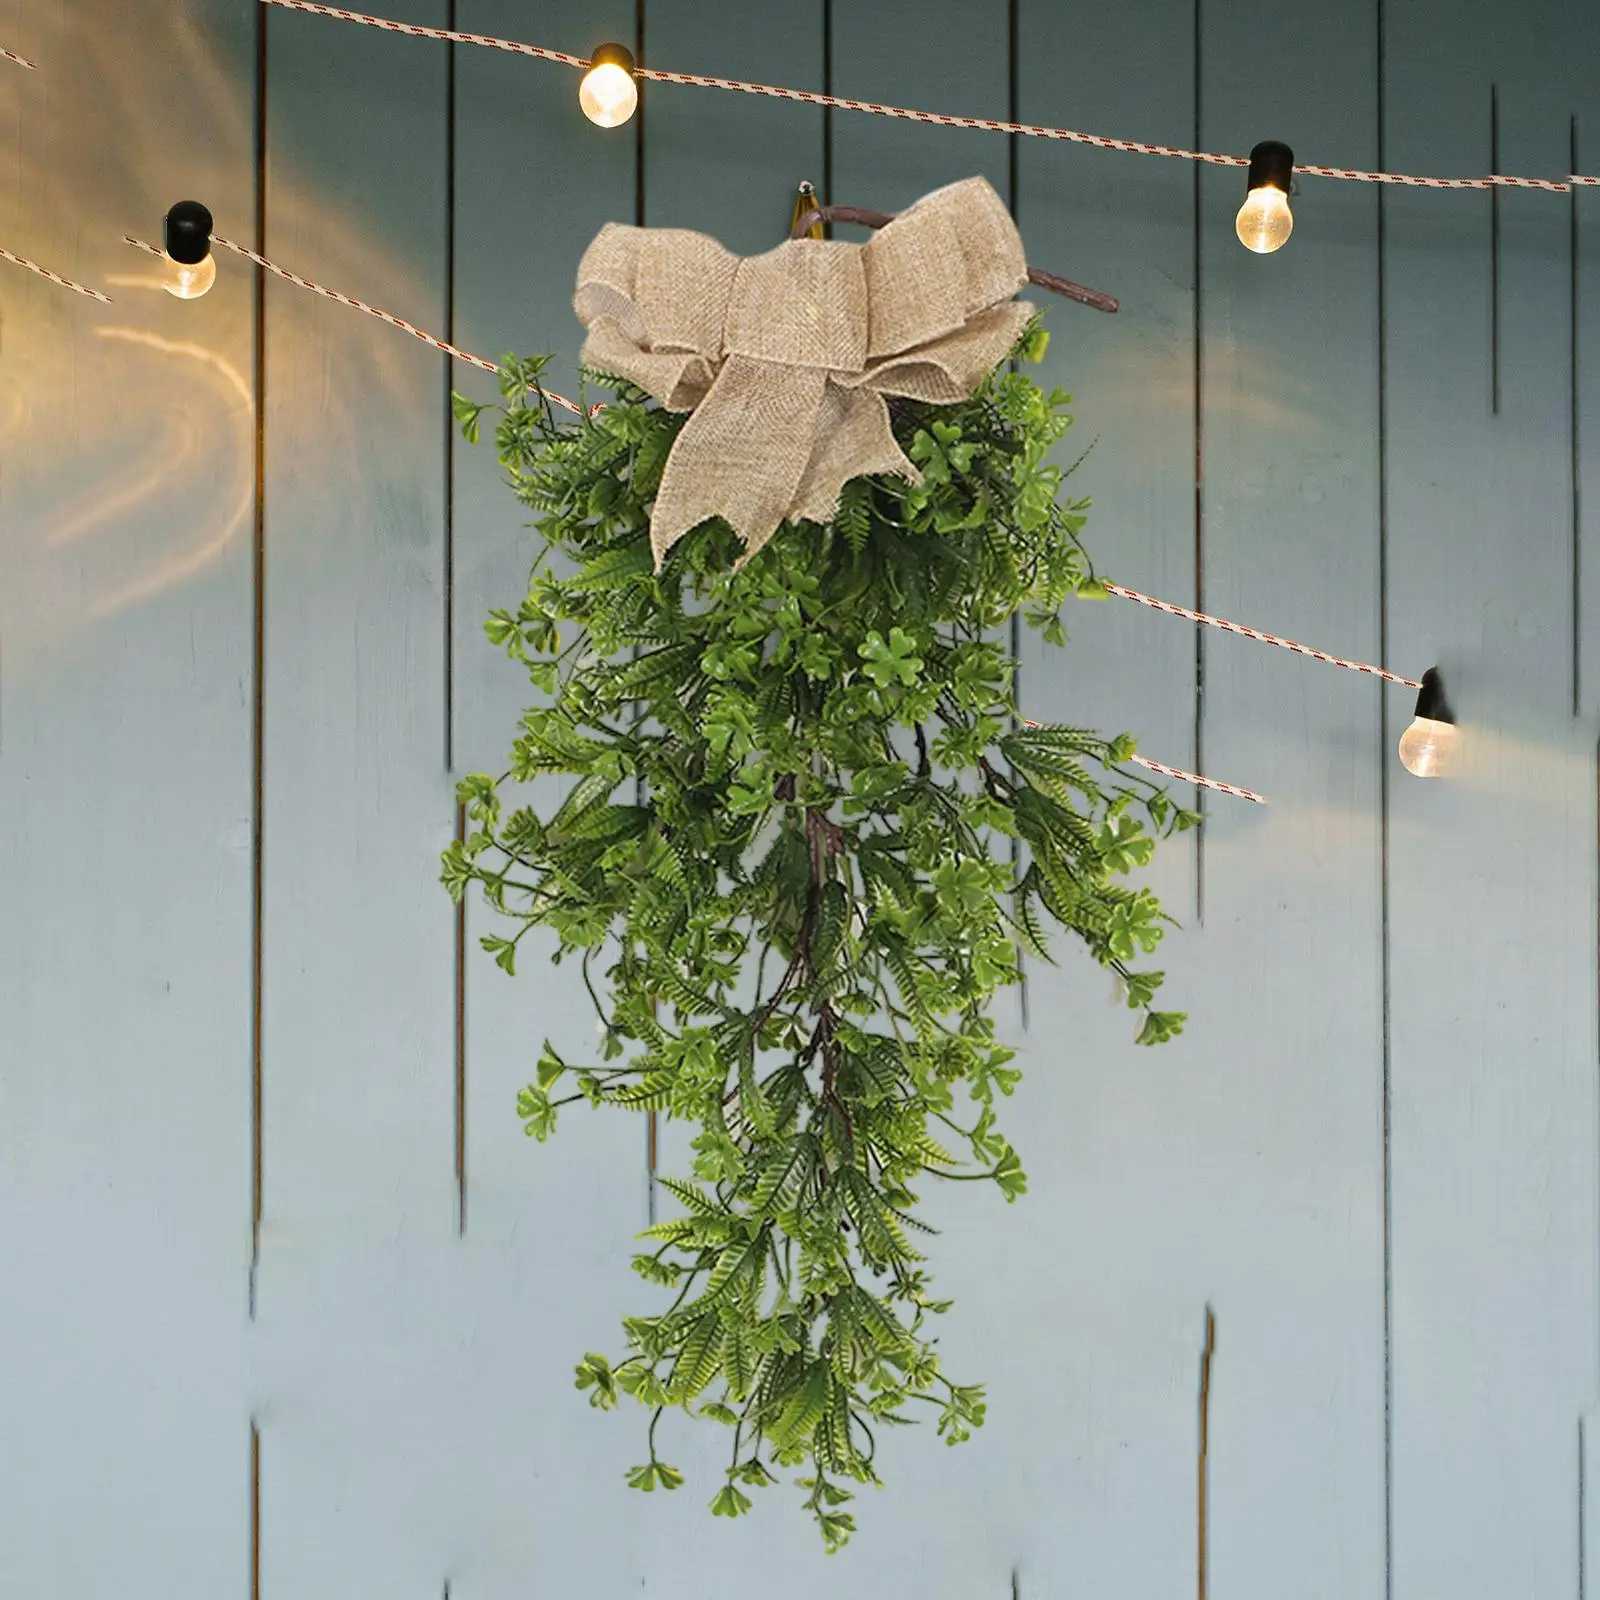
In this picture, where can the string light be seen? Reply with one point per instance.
(1428, 746)
(608, 93)
(1031, 130)
(803, 199)
(360, 305)
(191, 268)
(1265, 222)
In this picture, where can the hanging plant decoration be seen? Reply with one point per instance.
(807, 837)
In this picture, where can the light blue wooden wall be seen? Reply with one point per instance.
(288, 1306)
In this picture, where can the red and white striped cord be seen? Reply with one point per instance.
(414, 31)
(54, 277)
(1174, 772)
(1031, 130)
(1256, 634)
(361, 305)
(1204, 783)
(21, 61)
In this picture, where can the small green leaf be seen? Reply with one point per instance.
(1160, 1026)
(654, 1473)
(594, 1372)
(730, 1502)
(467, 413)
(551, 1066)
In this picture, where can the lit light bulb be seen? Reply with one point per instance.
(1428, 746)
(189, 280)
(191, 269)
(608, 94)
(1265, 222)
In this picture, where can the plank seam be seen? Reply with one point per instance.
(1575, 435)
(258, 712)
(1494, 253)
(827, 111)
(1203, 1468)
(1198, 334)
(1384, 951)
(460, 909)
(255, 1510)
(449, 389)
(1013, 200)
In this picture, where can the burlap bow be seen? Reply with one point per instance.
(785, 358)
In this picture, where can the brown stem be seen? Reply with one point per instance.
(777, 994)
(823, 836)
(1095, 299)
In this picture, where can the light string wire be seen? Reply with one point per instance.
(361, 305)
(54, 277)
(1205, 783)
(561, 400)
(1176, 773)
(1032, 130)
(448, 349)
(23, 261)
(1260, 637)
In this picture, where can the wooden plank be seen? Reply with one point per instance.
(516, 259)
(1493, 1050)
(1098, 1373)
(1288, 999)
(1582, 98)
(1583, 244)
(126, 467)
(544, 1274)
(948, 1521)
(943, 58)
(358, 1001)
(729, 165)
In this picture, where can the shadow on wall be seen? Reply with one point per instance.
(128, 432)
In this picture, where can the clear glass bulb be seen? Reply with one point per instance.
(1427, 748)
(608, 95)
(1264, 222)
(189, 280)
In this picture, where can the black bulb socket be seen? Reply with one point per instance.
(1271, 166)
(188, 233)
(613, 55)
(1431, 702)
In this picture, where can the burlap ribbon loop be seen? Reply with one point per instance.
(785, 358)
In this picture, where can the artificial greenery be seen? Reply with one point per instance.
(807, 840)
